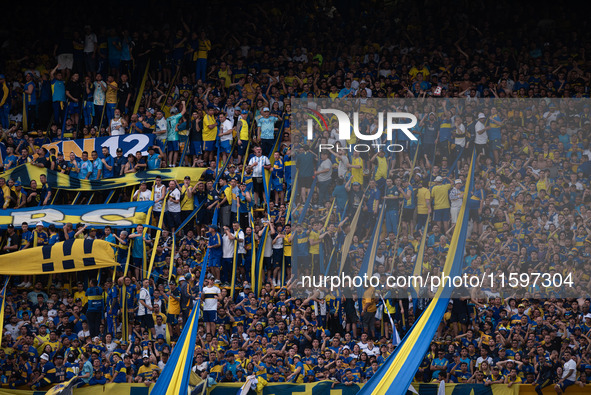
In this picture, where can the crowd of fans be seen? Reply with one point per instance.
(223, 102)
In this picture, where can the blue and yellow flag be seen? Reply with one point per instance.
(400, 368)
(73, 255)
(2, 296)
(27, 172)
(177, 372)
(122, 215)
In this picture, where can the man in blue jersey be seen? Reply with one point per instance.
(266, 131)
(108, 163)
(58, 95)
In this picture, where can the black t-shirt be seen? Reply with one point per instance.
(42, 160)
(35, 199)
(14, 240)
(196, 131)
(75, 89)
(123, 91)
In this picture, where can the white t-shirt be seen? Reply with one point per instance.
(160, 330)
(173, 207)
(145, 296)
(160, 126)
(258, 164)
(210, 303)
(480, 138)
(158, 193)
(323, 177)
(117, 128)
(227, 247)
(278, 244)
(342, 170)
(227, 125)
(143, 196)
(89, 42)
(240, 235)
(461, 131)
(568, 365)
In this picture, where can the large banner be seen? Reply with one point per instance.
(111, 389)
(73, 255)
(26, 173)
(326, 388)
(97, 215)
(129, 143)
(320, 388)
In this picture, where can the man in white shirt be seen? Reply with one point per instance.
(569, 372)
(160, 129)
(227, 255)
(236, 234)
(210, 295)
(159, 195)
(258, 163)
(456, 196)
(323, 177)
(143, 194)
(225, 133)
(481, 138)
(173, 207)
(90, 48)
(144, 311)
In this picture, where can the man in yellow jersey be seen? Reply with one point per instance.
(243, 134)
(111, 98)
(314, 240)
(187, 202)
(356, 167)
(210, 132)
(202, 50)
(440, 196)
(381, 173)
(423, 204)
(287, 240)
(368, 313)
(225, 202)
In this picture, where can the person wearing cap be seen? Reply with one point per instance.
(154, 159)
(40, 237)
(13, 240)
(47, 376)
(259, 164)
(481, 136)
(265, 135)
(120, 370)
(441, 203)
(210, 133)
(211, 295)
(297, 369)
(119, 162)
(145, 371)
(456, 196)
